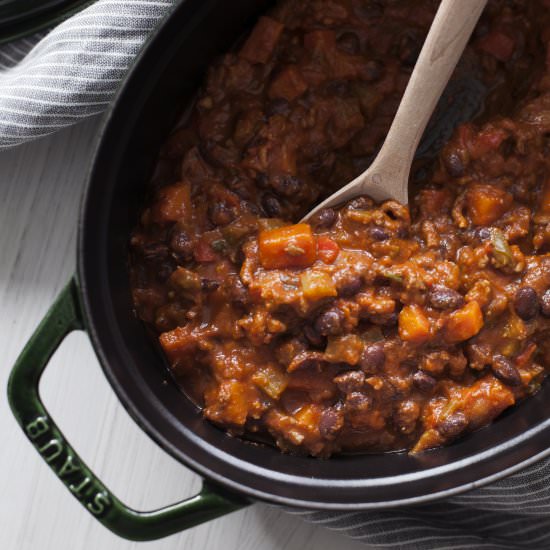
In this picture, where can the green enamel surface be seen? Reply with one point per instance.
(64, 317)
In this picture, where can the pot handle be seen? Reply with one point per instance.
(63, 317)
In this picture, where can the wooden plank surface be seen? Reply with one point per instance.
(40, 189)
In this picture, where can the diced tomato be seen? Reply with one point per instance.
(486, 141)
(498, 44)
(203, 252)
(327, 249)
(262, 40)
(288, 246)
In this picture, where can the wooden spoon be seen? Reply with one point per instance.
(388, 175)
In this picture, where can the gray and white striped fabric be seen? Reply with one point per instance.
(60, 77)
(513, 513)
(57, 78)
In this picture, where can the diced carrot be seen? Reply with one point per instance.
(486, 203)
(288, 246)
(259, 46)
(203, 252)
(498, 44)
(288, 84)
(464, 323)
(414, 326)
(317, 285)
(327, 249)
(173, 203)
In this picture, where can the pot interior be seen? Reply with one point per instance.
(166, 77)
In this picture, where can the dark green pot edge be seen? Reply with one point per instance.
(63, 317)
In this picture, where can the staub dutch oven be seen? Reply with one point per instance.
(165, 76)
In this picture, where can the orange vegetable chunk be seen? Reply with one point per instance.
(414, 326)
(288, 246)
(288, 84)
(173, 203)
(464, 323)
(317, 285)
(259, 46)
(486, 203)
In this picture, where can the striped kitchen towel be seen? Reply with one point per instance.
(57, 78)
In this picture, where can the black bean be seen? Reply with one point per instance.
(526, 303)
(313, 337)
(378, 233)
(349, 43)
(545, 303)
(350, 381)
(181, 244)
(384, 319)
(505, 371)
(278, 106)
(373, 358)
(165, 269)
(360, 203)
(350, 287)
(272, 206)
(453, 425)
(368, 10)
(423, 381)
(371, 70)
(238, 292)
(448, 247)
(358, 401)
(331, 422)
(442, 297)
(209, 285)
(330, 322)
(220, 214)
(262, 180)
(325, 218)
(483, 233)
(287, 186)
(454, 164)
(338, 88)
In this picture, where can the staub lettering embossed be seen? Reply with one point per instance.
(60, 458)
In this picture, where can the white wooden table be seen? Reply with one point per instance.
(40, 188)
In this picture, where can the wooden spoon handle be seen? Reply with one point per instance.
(452, 27)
